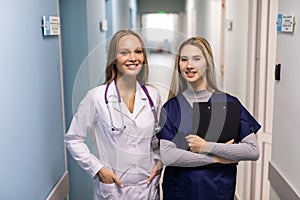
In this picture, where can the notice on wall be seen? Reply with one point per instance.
(285, 22)
(51, 25)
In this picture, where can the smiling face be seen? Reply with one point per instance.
(130, 56)
(192, 65)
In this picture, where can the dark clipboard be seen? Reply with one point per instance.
(217, 121)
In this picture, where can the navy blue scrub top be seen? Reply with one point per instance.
(215, 181)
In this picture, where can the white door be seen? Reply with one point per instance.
(266, 59)
(249, 61)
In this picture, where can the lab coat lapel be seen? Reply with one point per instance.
(113, 100)
(115, 107)
(139, 104)
(140, 101)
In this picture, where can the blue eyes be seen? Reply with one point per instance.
(125, 53)
(193, 59)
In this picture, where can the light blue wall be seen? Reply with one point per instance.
(84, 59)
(168, 6)
(75, 49)
(31, 125)
(201, 9)
(120, 14)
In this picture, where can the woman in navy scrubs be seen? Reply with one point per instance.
(207, 170)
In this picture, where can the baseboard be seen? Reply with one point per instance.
(280, 184)
(61, 189)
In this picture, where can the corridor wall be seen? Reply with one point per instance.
(84, 58)
(31, 145)
(284, 166)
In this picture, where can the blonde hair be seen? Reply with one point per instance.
(179, 84)
(111, 68)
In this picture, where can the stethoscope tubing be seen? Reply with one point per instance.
(155, 115)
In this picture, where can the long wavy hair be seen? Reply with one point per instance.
(179, 84)
(111, 68)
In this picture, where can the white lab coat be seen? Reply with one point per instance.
(127, 153)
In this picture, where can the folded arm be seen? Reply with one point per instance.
(247, 149)
(172, 156)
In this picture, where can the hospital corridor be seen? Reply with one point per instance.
(55, 52)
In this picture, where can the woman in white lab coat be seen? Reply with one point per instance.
(123, 115)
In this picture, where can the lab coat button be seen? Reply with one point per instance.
(134, 146)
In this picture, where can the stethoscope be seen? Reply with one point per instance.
(123, 127)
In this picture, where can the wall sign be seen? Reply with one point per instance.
(51, 25)
(285, 22)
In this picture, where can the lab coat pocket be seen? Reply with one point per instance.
(108, 191)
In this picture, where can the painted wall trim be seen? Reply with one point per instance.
(61, 189)
(62, 87)
(280, 184)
